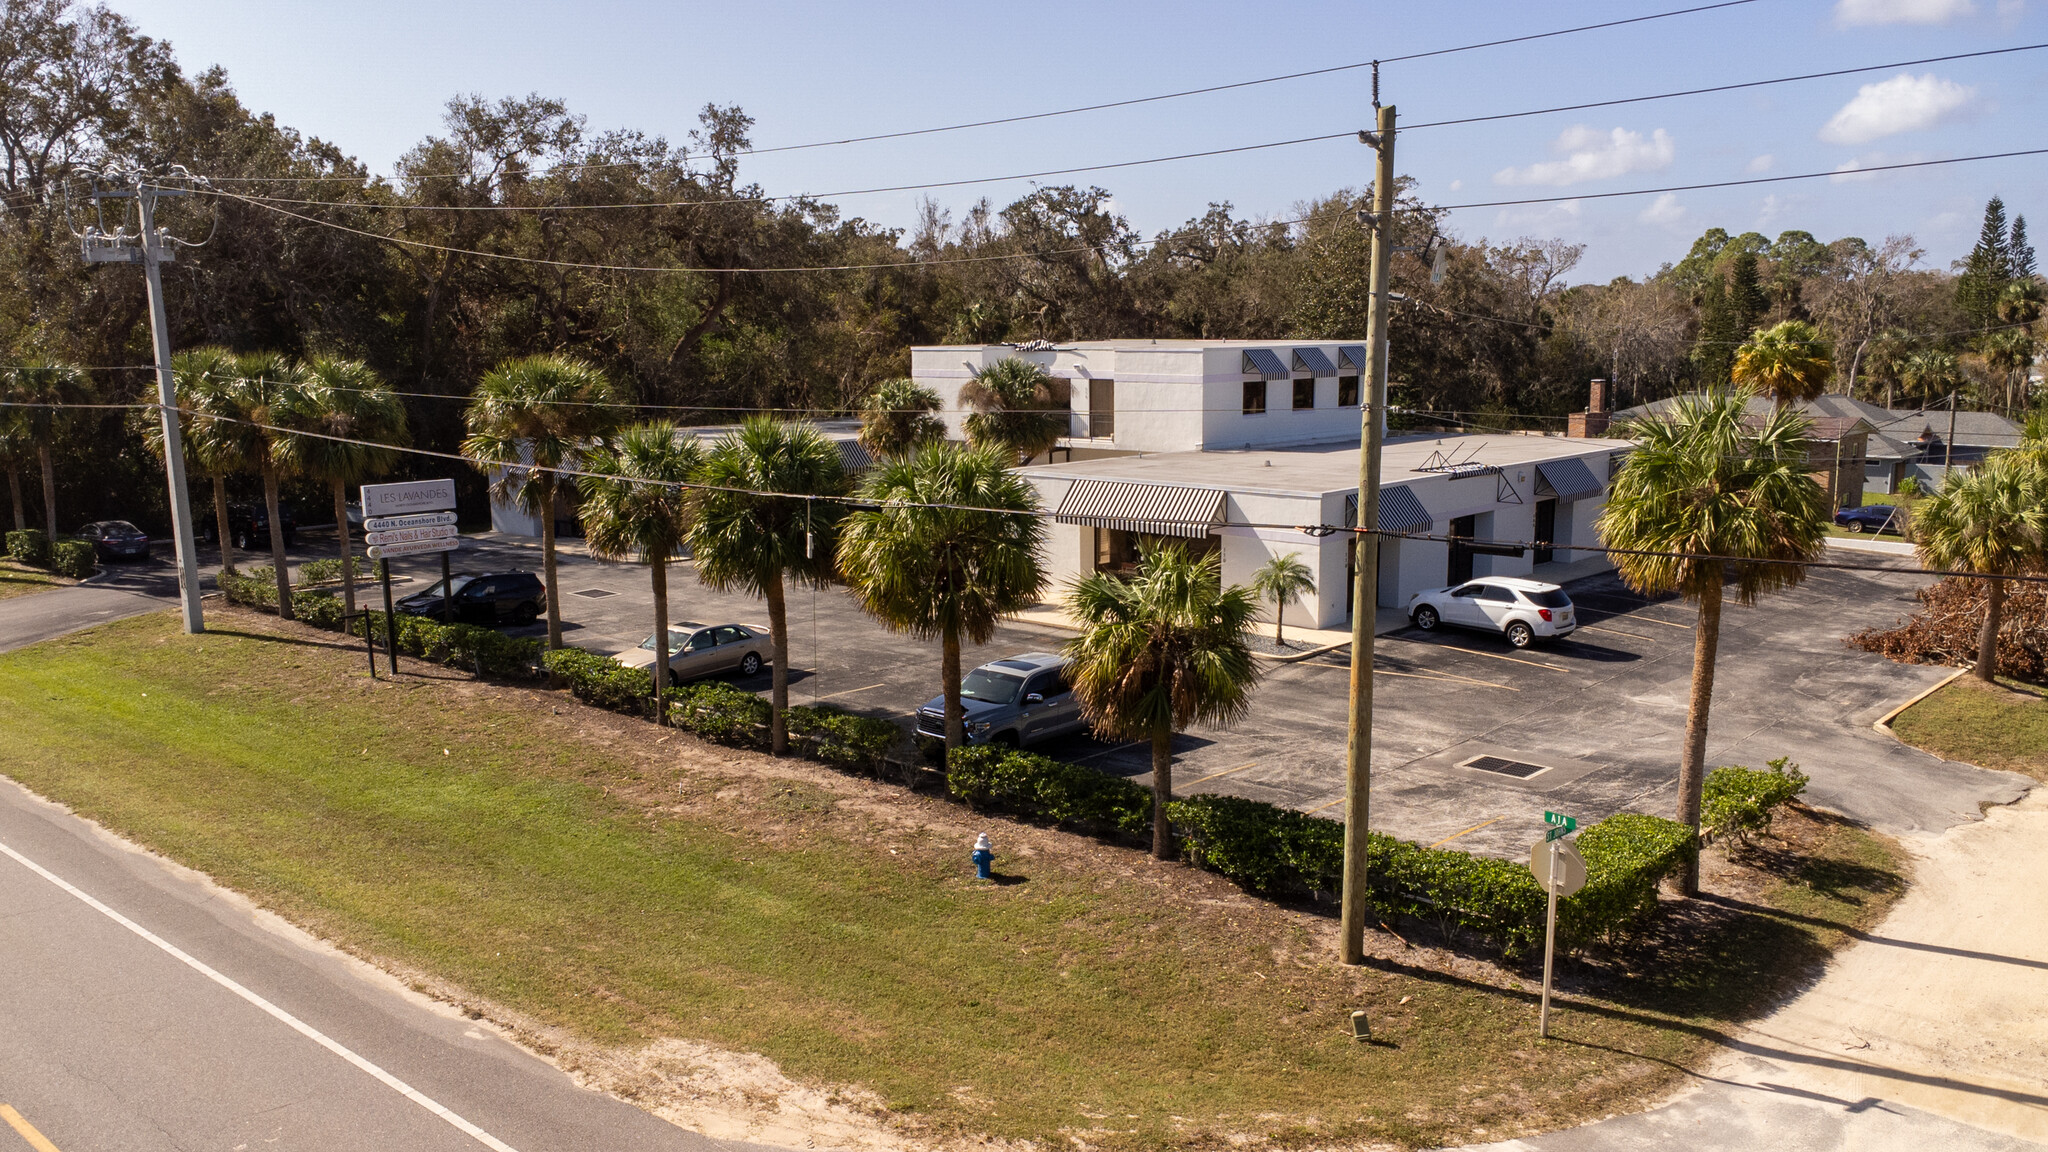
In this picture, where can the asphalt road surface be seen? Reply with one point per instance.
(145, 1009)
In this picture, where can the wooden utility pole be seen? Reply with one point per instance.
(1356, 906)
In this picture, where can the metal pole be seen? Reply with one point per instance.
(1549, 944)
(1355, 912)
(1948, 446)
(369, 642)
(447, 599)
(390, 617)
(167, 405)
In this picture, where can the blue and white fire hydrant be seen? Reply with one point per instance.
(984, 854)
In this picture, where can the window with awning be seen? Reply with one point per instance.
(1401, 510)
(1153, 509)
(1567, 480)
(1261, 362)
(1313, 362)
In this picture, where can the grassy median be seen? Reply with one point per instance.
(562, 866)
(2002, 725)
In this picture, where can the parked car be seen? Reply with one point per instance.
(1521, 610)
(116, 540)
(249, 526)
(1872, 518)
(699, 650)
(490, 598)
(1018, 700)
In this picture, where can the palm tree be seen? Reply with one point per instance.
(16, 449)
(952, 549)
(253, 410)
(218, 448)
(1281, 579)
(896, 419)
(1890, 350)
(1930, 374)
(2009, 353)
(1706, 480)
(748, 537)
(638, 502)
(41, 387)
(1788, 362)
(1016, 405)
(1992, 520)
(360, 425)
(1158, 652)
(528, 419)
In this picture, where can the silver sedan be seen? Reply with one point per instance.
(697, 651)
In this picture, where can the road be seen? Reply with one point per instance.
(111, 1040)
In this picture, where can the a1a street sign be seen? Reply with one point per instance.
(399, 523)
(408, 496)
(414, 548)
(413, 535)
(1560, 820)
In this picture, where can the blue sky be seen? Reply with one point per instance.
(373, 76)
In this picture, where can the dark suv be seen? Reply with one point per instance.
(493, 598)
(249, 526)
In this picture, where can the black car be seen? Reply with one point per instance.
(492, 598)
(116, 540)
(249, 526)
(1871, 518)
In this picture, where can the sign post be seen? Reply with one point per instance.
(1557, 866)
(409, 518)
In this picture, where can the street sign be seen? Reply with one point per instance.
(1560, 820)
(408, 496)
(414, 548)
(1560, 871)
(399, 523)
(413, 535)
(1556, 834)
(1571, 867)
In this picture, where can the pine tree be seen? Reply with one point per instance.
(1747, 301)
(2022, 253)
(1720, 334)
(1989, 268)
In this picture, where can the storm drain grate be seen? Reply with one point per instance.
(595, 593)
(1520, 770)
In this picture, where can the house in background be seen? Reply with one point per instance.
(1923, 443)
(1844, 434)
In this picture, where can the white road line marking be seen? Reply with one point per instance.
(849, 691)
(291, 1021)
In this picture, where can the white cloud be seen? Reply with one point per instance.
(1590, 154)
(1760, 164)
(1904, 103)
(1770, 209)
(1854, 169)
(1457, 184)
(1849, 13)
(1665, 211)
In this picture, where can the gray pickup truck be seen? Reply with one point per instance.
(1018, 700)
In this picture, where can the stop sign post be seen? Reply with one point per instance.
(1559, 868)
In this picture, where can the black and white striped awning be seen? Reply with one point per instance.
(1262, 362)
(1353, 356)
(1154, 509)
(1567, 479)
(1313, 362)
(1401, 510)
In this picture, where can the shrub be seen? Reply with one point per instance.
(1030, 785)
(72, 558)
(1627, 857)
(329, 571)
(1741, 800)
(255, 588)
(1268, 849)
(843, 738)
(30, 546)
(319, 609)
(603, 682)
(721, 713)
(483, 651)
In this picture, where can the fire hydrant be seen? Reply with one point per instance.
(984, 854)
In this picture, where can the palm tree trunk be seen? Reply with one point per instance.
(949, 683)
(1279, 619)
(1162, 793)
(277, 561)
(547, 563)
(49, 463)
(657, 571)
(778, 634)
(220, 524)
(1987, 636)
(1692, 765)
(348, 564)
(14, 493)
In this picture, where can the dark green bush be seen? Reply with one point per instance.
(721, 713)
(603, 682)
(483, 651)
(842, 738)
(1030, 785)
(1741, 800)
(320, 609)
(30, 546)
(329, 571)
(254, 588)
(1267, 849)
(72, 558)
(1627, 855)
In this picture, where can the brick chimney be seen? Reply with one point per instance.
(1598, 415)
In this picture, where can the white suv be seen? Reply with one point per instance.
(1521, 610)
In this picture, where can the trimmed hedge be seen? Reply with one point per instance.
(601, 681)
(721, 713)
(483, 651)
(253, 588)
(1741, 800)
(1027, 784)
(328, 571)
(843, 738)
(72, 558)
(31, 546)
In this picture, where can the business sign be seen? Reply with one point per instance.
(414, 548)
(413, 535)
(408, 496)
(399, 523)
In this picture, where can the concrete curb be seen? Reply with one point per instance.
(1881, 547)
(1295, 657)
(1884, 723)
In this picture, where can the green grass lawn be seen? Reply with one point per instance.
(1994, 727)
(18, 580)
(559, 866)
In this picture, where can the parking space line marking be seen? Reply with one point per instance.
(848, 692)
(1225, 772)
(1107, 751)
(284, 1017)
(1498, 656)
(1430, 675)
(36, 1140)
(1612, 632)
(1320, 807)
(1474, 828)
